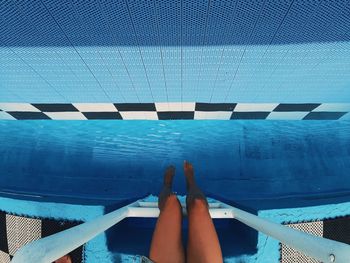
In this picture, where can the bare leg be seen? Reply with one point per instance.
(203, 243)
(166, 243)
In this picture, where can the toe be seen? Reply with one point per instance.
(170, 169)
(188, 166)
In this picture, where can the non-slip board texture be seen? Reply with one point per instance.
(17, 231)
(336, 229)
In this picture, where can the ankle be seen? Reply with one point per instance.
(190, 181)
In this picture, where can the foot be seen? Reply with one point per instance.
(166, 189)
(189, 174)
(169, 175)
(193, 191)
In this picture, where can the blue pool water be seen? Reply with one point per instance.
(279, 169)
(240, 161)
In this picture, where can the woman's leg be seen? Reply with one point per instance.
(166, 243)
(203, 243)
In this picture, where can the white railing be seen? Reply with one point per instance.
(51, 248)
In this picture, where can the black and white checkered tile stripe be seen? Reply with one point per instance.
(17, 231)
(175, 111)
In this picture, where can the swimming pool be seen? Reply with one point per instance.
(174, 56)
(288, 170)
(240, 160)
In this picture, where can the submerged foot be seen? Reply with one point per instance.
(189, 174)
(193, 191)
(169, 175)
(167, 185)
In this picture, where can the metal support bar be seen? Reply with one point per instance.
(51, 248)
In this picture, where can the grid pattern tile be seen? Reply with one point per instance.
(290, 255)
(173, 111)
(335, 229)
(174, 51)
(17, 231)
(20, 231)
(4, 257)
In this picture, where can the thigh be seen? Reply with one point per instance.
(203, 243)
(166, 245)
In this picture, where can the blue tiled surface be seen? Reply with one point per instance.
(288, 73)
(152, 51)
(171, 23)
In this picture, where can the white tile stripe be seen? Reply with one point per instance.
(5, 116)
(66, 115)
(333, 107)
(95, 107)
(346, 116)
(293, 115)
(139, 115)
(18, 107)
(175, 106)
(247, 107)
(212, 115)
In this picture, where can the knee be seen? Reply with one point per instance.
(172, 199)
(198, 204)
(172, 202)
